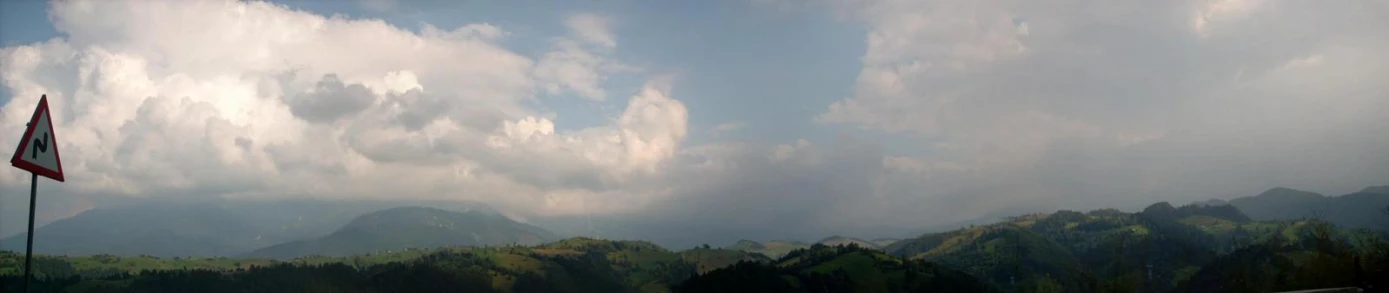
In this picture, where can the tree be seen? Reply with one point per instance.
(1385, 211)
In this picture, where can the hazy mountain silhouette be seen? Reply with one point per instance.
(772, 249)
(411, 227)
(1225, 212)
(1359, 210)
(200, 228)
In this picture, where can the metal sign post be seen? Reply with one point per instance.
(29, 243)
(38, 154)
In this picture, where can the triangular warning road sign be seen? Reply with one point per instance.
(38, 149)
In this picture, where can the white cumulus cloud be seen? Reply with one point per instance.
(232, 98)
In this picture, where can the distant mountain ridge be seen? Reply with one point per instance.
(771, 249)
(1200, 247)
(1382, 189)
(227, 228)
(837, 240)
(202, 228)
(746, 245)
(1360, 210)
(411, 227)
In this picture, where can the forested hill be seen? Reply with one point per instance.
(1162, 249)
(1223, 212)
(843, 268)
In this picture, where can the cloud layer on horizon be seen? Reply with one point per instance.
(1003, 105)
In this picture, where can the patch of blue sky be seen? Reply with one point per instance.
(736, 63)
(23, 22)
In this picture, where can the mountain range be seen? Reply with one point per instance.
(1192, 248)
(291, 228)
(1202, 247)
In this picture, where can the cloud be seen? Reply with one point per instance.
(647, 133)
(580, 61)
(267, 101)
(592, 29)
(330, 100)
(721, 193)
(1126, 99)
(1220, 11)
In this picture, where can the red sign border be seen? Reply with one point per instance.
(24, 142)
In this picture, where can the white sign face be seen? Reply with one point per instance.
(38, 149)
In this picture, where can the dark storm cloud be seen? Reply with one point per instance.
(330, 100)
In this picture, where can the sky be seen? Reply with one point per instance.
(726, 118)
